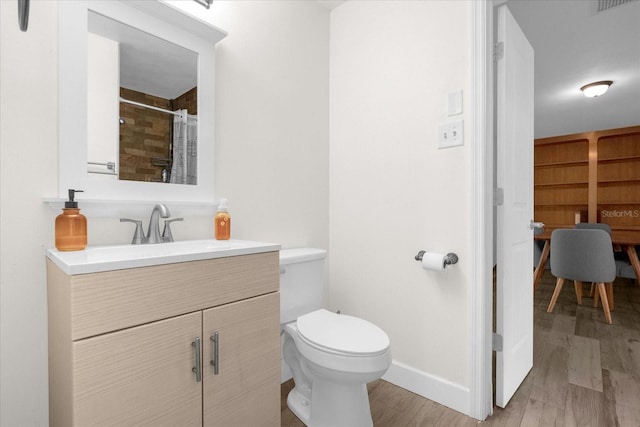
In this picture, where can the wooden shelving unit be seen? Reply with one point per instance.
(591, 176)
(561, 179)
(618, 202)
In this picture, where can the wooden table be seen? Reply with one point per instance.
(626, 240)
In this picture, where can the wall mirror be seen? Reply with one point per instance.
(132, 79)
(154, 84)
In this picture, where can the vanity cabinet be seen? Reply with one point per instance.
(135, 347)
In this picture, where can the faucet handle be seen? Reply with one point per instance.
(166, 232)
(138, 235)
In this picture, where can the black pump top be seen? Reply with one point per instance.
(71, 203)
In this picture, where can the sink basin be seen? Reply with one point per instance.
(106, 258)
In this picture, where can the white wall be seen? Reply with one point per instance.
(393, 193)
(272, 161)
(272, 119)
(28, 172)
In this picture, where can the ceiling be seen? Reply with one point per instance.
(575, 45)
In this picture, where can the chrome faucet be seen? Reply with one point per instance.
(153, 233)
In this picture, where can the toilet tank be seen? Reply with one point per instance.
(301, 282)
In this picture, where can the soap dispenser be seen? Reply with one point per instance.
(71, 226)
(222, 221)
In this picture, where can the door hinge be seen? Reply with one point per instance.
(498, 197)
(498, 51)
(496, 342)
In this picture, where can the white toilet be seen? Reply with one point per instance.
(331, 356)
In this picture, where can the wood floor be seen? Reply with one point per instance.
(585, 372)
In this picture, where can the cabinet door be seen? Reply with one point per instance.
(139, 376)
(246, 389)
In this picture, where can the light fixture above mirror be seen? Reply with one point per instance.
(594, 89)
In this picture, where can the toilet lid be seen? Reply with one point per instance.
(341, 333)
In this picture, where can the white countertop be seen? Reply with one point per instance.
(94, 259)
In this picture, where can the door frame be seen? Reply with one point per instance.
(483, 217)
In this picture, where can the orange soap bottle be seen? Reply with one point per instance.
(71, 226)
(222, 221)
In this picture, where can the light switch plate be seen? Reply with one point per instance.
(451, 134)
(454, 103)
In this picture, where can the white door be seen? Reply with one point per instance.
(514, 163)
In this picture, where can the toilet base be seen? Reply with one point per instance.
(332, 405)
(299, 405)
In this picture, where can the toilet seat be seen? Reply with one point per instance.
(341, 334)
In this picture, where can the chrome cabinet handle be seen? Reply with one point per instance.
(215, 361)
(197, 369)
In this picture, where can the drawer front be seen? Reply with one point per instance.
(113, 300)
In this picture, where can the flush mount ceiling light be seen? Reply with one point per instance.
(596, 89)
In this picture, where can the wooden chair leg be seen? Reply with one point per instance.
(578, 285)
(556, 293)
(605, 302)
(609, 289)
(593, 288)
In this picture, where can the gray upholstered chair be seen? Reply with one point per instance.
(582, 255)
(596, 226)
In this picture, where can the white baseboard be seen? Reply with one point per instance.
(430, 386)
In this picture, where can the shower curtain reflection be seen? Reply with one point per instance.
(185, 149)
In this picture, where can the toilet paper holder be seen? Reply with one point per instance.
(451, 258)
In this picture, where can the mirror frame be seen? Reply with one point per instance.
(161, 20)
